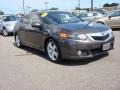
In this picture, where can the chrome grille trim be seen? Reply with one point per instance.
(99, 34)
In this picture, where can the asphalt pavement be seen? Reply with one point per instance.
(30, 69)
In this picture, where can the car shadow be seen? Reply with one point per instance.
(116, 29)
(83, 61)
(10, 35)
(31, 51)
(65, 62)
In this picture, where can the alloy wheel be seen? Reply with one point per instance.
(53, 51)
(5, 33)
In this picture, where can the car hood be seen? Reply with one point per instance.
(84, 27)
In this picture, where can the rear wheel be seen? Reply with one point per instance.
(5, 32)
(17, 41)
(53, 51)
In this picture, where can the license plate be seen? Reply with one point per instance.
(106, 46)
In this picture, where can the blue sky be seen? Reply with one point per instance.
(15, 6)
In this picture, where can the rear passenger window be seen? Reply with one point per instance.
(117, 13)
(9, 18)
(25, 20)
(34, 18)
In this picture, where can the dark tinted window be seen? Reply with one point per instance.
(60, 18)
(10, 18)
(48, 20)
(34, 18)
(25, 20)
(117, 13)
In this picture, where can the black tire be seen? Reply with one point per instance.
(18, 41)
(56, 58)
(5, 32)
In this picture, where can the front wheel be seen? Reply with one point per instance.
(5, 32)
(53, 51)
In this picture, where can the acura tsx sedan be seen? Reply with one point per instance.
(63, 36)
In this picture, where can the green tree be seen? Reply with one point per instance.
(110, 5)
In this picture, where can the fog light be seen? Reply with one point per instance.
(79, 52)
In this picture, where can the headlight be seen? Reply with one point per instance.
(64, 35)
(78, 36)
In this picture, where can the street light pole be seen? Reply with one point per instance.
(46, 3)
(79, 5)
(24, 6)
(91, 5)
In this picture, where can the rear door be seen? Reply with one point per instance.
(35, 33)
(24, 30)
(31, 36)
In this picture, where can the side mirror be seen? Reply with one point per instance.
(36, 24)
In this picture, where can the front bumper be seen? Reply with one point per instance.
(71, 49)
(10, 29)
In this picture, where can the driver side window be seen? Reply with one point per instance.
(115, 14)
(34, 19)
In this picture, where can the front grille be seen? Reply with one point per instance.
(100, 37)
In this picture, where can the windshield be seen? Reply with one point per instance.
(60, 18)
(10, 18)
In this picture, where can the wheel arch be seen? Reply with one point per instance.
(3, 28)
(59, 59)
(47, 39)
(15, 33)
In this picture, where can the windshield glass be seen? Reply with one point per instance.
(10, 18)
(60, 17)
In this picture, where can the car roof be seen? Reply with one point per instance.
(48, 11)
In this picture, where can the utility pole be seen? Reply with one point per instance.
(79, 5)
(46, 4)
(24, 6)
(91, 5)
